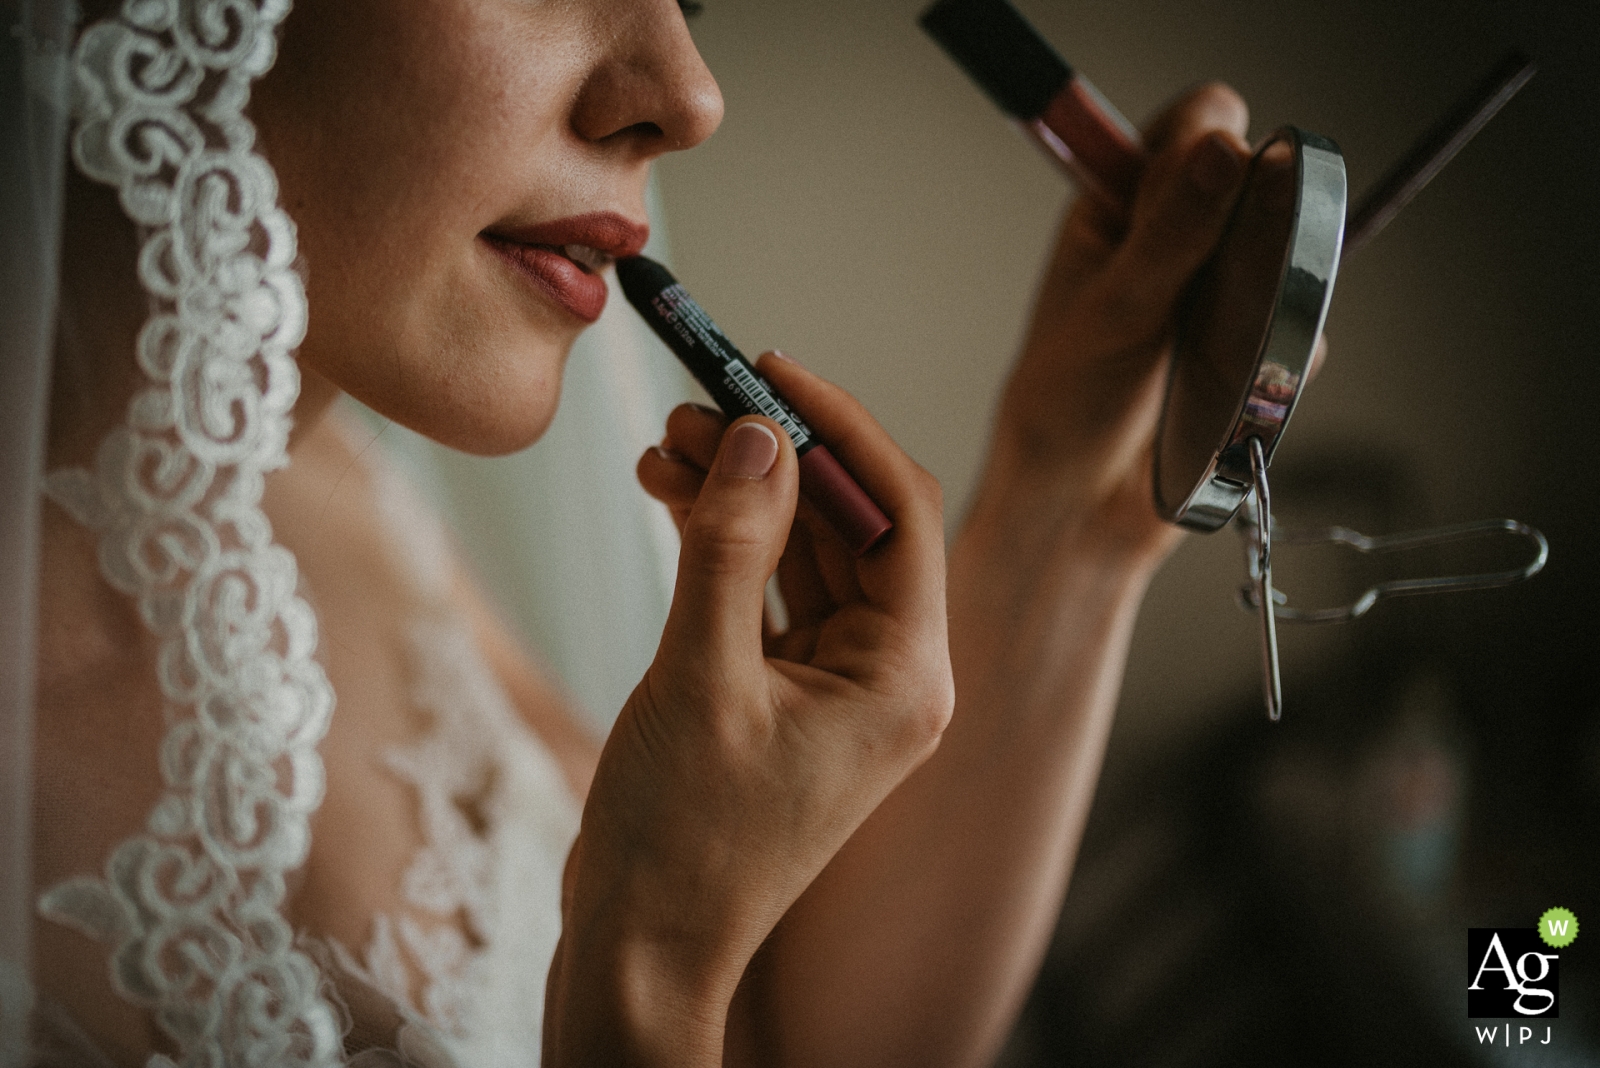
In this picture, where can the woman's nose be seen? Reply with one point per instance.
(650, 89)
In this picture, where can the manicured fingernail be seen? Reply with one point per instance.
(785, 357)
(1215, 166)
(705, 410)
(750, 451)
(665, 453)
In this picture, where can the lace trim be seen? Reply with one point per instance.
(193, 905)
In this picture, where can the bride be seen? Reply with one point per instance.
(843, 843)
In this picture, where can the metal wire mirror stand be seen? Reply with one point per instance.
(1259, 533)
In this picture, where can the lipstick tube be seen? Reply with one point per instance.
(1054, 104)
(740, 390)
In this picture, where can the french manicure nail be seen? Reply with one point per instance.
(750, 451)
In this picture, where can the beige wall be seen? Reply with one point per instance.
(865, 208)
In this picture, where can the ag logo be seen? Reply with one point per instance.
(1510, 972)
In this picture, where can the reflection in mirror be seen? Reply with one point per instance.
(1225, 322)
(1248, 327)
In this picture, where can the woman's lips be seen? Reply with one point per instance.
(569, 285)
(564, 258)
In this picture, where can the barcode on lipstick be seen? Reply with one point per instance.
(692, 324)
(765, 402)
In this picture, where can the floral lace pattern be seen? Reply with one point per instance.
(193, 904)
(497, 821)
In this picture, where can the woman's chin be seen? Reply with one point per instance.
(494, 427)
(484, 418)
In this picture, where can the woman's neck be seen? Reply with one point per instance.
(317, 396)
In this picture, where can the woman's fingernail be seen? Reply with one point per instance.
(785, 357)
(705, 410)
(1215, 166)
(665, 453)
(750, 451)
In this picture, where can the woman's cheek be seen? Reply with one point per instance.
(458, 355)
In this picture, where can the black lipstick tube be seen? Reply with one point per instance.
(739, 390)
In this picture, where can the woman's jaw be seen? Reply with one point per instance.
(495, 368)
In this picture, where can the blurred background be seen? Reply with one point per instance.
(1247, 893)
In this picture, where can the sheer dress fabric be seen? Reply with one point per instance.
(191, 908)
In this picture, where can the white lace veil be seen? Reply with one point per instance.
(191, 906)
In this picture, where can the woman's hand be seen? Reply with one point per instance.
(737, 769)
(1078, 417)
(1044, 585)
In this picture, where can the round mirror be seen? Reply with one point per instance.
(1247, 329)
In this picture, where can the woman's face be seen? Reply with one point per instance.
(444, 159)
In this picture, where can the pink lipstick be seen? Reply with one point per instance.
(564, 258)
(1054, 104)
(740, 390)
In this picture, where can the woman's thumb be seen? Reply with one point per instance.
(732, 541)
